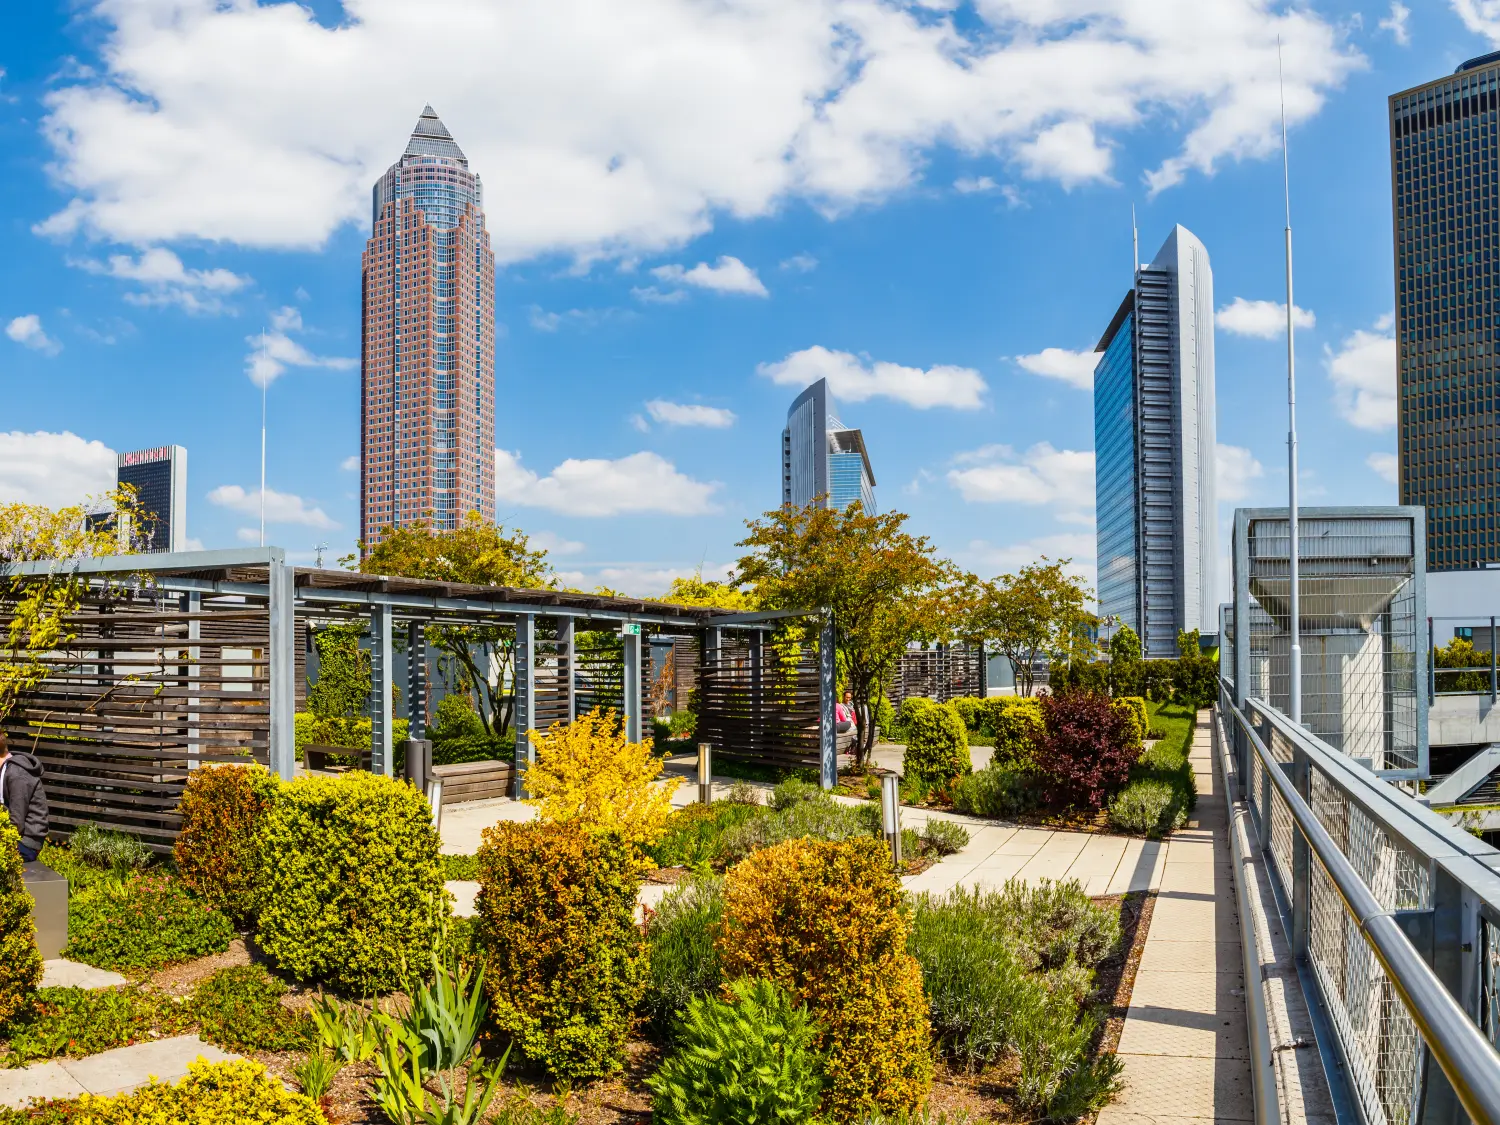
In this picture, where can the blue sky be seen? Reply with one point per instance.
(698, 207)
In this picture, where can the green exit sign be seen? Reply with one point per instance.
(630, 630)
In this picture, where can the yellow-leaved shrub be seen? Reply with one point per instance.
(20, 963)
(827, 922)
(226, 1093)
(587, 773)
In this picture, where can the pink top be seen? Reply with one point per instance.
(844, 713)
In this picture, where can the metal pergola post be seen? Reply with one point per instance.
(416, 680)
(828, 734)
(631, 688)
(565, 657)
(281, 659)
(524, 714)
(382, 719)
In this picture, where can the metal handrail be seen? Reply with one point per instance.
(1262, 1077)
(1465, 1056)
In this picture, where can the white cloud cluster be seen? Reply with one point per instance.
(1077, 547)
(281, 507)
(854, 379)
(167, 281)
(619, 128)
(28, 332)
(1363, 371)
(53, 469)
(1396, 23)
(727, 275)
(1480, 16)
(1386, 466)
(1235, 471)
(1074, 368)
(1265, 320)
(1059, 479)
(595, 486)
(689, 414)
(272, 352)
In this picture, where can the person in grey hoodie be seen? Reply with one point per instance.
(24, 798)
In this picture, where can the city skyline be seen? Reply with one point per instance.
(664, 287)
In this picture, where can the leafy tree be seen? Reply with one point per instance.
(882, 585)
(1196, 681)
(480, 553)
(1036, 612)
(39, 606)
(1125, 662)
(1461, 653)
(699, 591)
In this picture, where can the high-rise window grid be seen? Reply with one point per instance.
(1445, 173)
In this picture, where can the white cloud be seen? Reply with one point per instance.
(689, 414)
(1263, 319)
(973, 185)
(1363, 371)
(727, 275)
(350, 464)
(641, 482)
(991, 559)
(555, 544)
(27, 331)
(1387, 466)
(1480, 16)
(634, 134)
(651, 295)
(281, 507)
(640, 580)
(1396, 23)
(857, 378)
(1074, 368)
(1235, 468)
(801, 263)
(271, 353)
(1059, 479)
(167, 281)
(55, 470)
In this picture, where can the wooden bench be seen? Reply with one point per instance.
(475, 781)
(316, 757)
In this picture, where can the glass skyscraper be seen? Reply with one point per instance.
(1445, 178)
(821, 457)
(428, 357)
(1154, 443)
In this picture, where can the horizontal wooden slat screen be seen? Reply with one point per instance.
(552, 668)
(775, 722)
(599, 672)
(943, 673)
(135, 702)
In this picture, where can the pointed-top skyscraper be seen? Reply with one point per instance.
(428, 358)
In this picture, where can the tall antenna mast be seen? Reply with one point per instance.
(263, 382)
(1135, 248)
(1294, 608)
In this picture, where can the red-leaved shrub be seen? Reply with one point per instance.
(1087, 752)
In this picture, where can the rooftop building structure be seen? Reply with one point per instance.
(821, 457)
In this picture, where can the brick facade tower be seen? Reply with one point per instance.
(427, 427)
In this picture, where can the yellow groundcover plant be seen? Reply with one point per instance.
(586, 772)
(227, 1093)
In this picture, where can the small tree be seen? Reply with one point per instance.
(1461, 653)
(480, 553)
(882, 585)
(1087, 751)
(1125, 662)
(699, 591)
(1034, 613)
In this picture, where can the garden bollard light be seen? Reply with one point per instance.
(705, 773)
(890, 813)
(435, 801)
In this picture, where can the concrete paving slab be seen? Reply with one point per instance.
(1140, 868)
(1204, 917)
(40, 1080)
(1025, 841)
(1210, 992)
(1153, 1030)
(1054, 857)
(62, 973)
(464, 822)
(1096, 864)
(1182, 1087)
(125, 1068)
(1190, 957)
(464, 892)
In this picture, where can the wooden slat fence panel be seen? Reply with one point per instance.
(134, 703)
(941, 674)
(775, 722)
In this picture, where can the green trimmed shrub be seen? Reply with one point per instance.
(104, 850)
(694, 833)
(794, 790)
(565, 964)
(821, 818)
(20, 963)
(750, 1061)
(141, 924)
(971, 710)
(353, 888)
(997, 790)
(684, 962)
(1016, 724)
(1132, 727)
(1149, 807)
(240, 1009)
(78, 1022)
(937, 745)
(222, 808)
(1142, 713)
(237, 1091)
(944, 837)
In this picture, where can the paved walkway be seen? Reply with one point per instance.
(1184, 1042)
(109, 1072)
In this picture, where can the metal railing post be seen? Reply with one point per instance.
(1494, 686)
(1431, 666)
(1300, 892)
(1438, 936)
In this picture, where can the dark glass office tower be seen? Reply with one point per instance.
(1445, 176)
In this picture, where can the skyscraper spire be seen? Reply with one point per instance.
(430, 137)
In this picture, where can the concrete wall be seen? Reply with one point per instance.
(1463, 720)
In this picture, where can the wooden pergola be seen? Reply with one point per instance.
(185, 659)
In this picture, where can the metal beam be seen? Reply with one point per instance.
(631, 688)
(416, 680)
(828, 733)
(162, 561)
(382, 721)
(524, 714)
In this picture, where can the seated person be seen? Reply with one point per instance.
(24, 798)
(843, 714)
